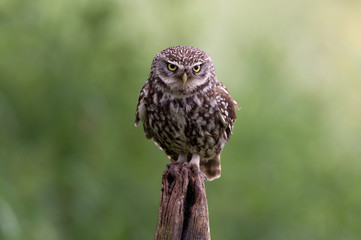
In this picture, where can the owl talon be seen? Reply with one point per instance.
(182, 158)
(205, 176)
(194, 163)
(195, 169)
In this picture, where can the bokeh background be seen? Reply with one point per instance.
(73, 166)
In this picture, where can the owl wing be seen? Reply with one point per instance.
(226, 109)
(141, 113)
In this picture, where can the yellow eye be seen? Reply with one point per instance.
(197, 68)
(172, 67)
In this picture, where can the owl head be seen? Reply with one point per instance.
(182, 70)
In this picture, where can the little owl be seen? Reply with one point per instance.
(185, 110)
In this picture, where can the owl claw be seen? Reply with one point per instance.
(182, 158)
(194, 163)
(195, 169)
(205, 176)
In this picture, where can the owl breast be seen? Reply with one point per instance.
(185, 125)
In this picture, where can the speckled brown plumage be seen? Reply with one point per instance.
(187, 119)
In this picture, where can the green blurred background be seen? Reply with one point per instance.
(73, 166)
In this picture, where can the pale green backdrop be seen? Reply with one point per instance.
(73, 166)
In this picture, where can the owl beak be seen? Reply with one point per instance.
(184, 78)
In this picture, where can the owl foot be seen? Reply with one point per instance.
(182, 158)
(194, 163)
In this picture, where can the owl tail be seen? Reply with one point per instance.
(212, 168)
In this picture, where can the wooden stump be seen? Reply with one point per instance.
(183, 208)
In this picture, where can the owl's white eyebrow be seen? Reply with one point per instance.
(170, 62)
(198, 63)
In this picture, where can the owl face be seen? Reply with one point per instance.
(183, 70)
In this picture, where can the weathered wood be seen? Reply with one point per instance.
(183, 208)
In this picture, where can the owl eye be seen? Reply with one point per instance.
(197, 68)
(172, 67)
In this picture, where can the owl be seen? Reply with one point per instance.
(185, 110)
